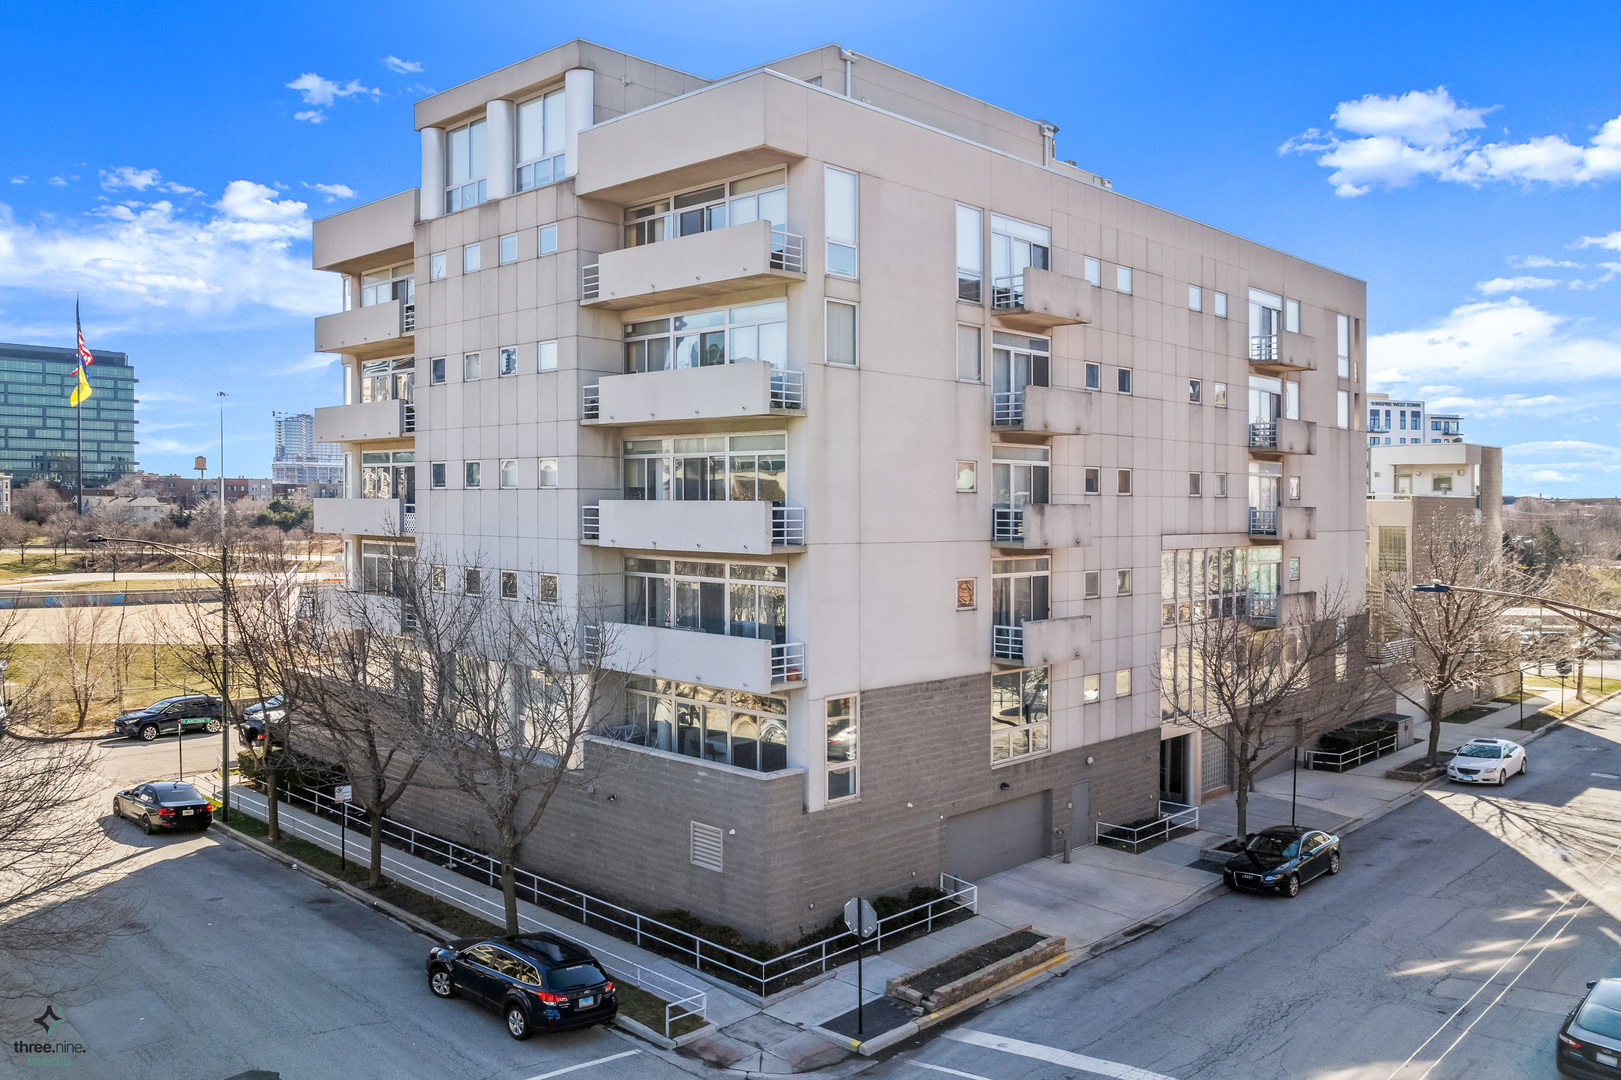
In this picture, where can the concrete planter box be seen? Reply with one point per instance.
(951, 993)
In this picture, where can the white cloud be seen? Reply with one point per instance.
(1612, 241)
(126, 176)
(1541, 262)
(318, 91)
(19, 179)
(1552, 476)
(401, 67)
(1514, 284)
(333, 191)
(1612, 268)
(1510, 340)
(1394, 141)
(57, 181)
(314, 116)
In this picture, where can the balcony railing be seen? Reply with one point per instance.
(1007, 642)
(590, 401)
(408, 321)
(408, 418)
(1263, 607)
(787, 251)
(1007, 408)
(590, 281)
(408, 514)
(1007, 291)
(1264, 436)
(787, 526)
(1263, 522)
(590, 522)
(787, 389)
(788, 663)
(1264, 349)
(1007, 523)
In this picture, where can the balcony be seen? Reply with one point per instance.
(368, 332)
(365, 517)
(1045, 410)
(1044, 641)
(1280, 353)
(364, 420)
(696, 269)
(729, 528)
(1285, 523)
(1272, 609)
(736, 663)
(1038, 300)
(719, 392)
(1284, 436)
(1041, 526)
(380, 233)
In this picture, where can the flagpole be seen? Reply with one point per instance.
(78, 406)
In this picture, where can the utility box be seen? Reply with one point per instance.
(1404, 728)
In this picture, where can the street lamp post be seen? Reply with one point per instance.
(185, 555)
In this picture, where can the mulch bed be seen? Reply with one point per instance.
(929, 980)
(1469, 714)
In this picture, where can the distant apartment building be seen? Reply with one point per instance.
(909, 447)
(1403, 423)
(300, 459)
(187, 491)
(39, 430)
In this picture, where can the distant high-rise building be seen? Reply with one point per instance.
(38, 429)
(299, 458)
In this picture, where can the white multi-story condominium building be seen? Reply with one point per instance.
(907, 445)
(1403, 423)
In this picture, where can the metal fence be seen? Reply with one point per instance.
(787, 251)
(1264, 348)
(590, 522)
(1263, 522)
(1007, 408)
(1264, 436)
(1007, 523)
(1172, 816)
(590, 402)
(787, 526)
(788, 663)
(590, 282)
(1007, 642)
(1349, 759)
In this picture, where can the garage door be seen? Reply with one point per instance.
(989, 841)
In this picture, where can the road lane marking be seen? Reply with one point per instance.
(585, 1065)
(948, 1072)
(1054, 1055)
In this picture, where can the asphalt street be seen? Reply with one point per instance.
(1460, 932)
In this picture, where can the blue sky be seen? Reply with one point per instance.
(157, 160)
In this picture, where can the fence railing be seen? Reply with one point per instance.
(787, 251)
(755, 976)
(1264, 436)
(1263, 522)
(408, 418)
(591, 522)
(1007, 291)
(1007, 524)
(1349, 759)
(1264, 348)
(1264, 607)
(408, 516)
(787, 526)
(788, 663)
(590, 402)
(1007, 408)
(590, 281)
(787, 389)
(1007, 642)
(1172, 816)
(1392, 652)
(408, 319)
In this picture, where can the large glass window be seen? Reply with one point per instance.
(1019, 590)
(1016, 362)
(970, 254)
(708, 338)
(388, 380)
(389, 475)
(733, 599)
(385, 566)
(749, 731)
(841, 333)
(743, 468)
(1342, 345)
(754, 198)
(465, 159)
(1019, 714)
(1200, 583)
(540, 141)
(840, 215)
(1015, 245)
(1266, 321)
(843, 742)
(389, 283)
(1019, 475)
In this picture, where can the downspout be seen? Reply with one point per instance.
(849, 63)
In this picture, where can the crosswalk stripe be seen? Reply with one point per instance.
(1056, 1056)
(585, 1065)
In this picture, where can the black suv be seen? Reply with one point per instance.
(192, 712)
(165, 804)
(538, 981)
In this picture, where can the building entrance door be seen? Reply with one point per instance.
(1173, 770)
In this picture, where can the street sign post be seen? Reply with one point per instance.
(862, 921)
(341, 794)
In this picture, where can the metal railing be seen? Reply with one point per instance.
(408, 319)
(787, 526)
(787, 389)
(590, 281)
(1172, 816)
(1007, 291)
(787, 251)
(1007, 524)
(1349, 759)
(1262, 607)
(408, 418)
(1264, 348)
(1264, 435)
(1263, 522)
(1390, 652)
(1007, 408)
(788, 663)
(590, 522)
(590, 402)
(408, 516)
(754, 975)
(1007, 642)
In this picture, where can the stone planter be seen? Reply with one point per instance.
(942, 996)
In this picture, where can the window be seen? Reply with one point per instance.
(702, 339)
(763, 197)
(1294, 569)
(1195, 391)
(548, 472)
(1342, 345)
(1122, 279)
(966, 588)
(1090, 691)
(1019, 713)
(1094, 376)
(1123, 481)
(388, 475)
(436, 370)
(968, 353)
(388, 380)
(1291, 316)
(471, 367)
(1342, 409)
(1123, 380)
(436, 266)
(749, 731)
(464, 167)
(1094, 480)
(1195, 298)
(747, 600)
(842, 737)
(1015, 246)
(472, 581)
(707, 468)
(1441, 485)
(1020, 590)
(509, 248)
(548, 588)
(348, 293)
(385, 566)
(546, 240)
(967, 476)
(1221, 485)
(1201, 583)
(437, 578)
(509, 585)
(839, 206)
(1221, 305)
(1194, 483)
(1092, 584)
(389, 283)
(1019, 475)
(509, 473)
(1122, 582)
(470, 258)
(546, 356)
(970, 254)
(1122, 683)
(1092, 270)
(471, 474)
(841, 333)
(1016, 362)
(437, 473)
(1393, 548)
(1291, 400)
(509, 360)
(540, 141)
(1294, 487)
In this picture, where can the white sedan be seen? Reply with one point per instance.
(1487, 761)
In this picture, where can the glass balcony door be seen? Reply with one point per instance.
(1019, 591)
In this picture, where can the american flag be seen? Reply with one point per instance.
(81, 392)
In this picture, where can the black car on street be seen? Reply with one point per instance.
(1589, 1042)
(189, 712)
(164, 805)
(1282, 859)
(537, 981)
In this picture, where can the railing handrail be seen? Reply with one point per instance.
(787, 526)
(787, 662)
(1007, 523)
(1264, 347)
(787, 388)
(590, 522)
(1264, 433)
(1007, 408)
(1339, 759)
(1007, 642)
(787, 250)
(590, 401)
(1007, 291)
(1172, 816)
(590, 280)
(1263, 522)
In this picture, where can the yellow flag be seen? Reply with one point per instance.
(82, 391)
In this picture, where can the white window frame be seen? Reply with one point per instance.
(1122, 280)
(527, 174)
(546, 240)
(438, 473)
(438, 367)
(509, 577)
(508, 473)
(1342, 414)
(546, 356)
(968, 470)
(1092, 480)
(1196, 391)
(1092, 270)
(1342, 345)
(437, 266)
(1195, 484)
(507, 249)
(855, 335)
(472, 258)
(473, 190)
(1091, 689)
(1218, 395)
(1123, 380)
(851, 766)
(1291, 316)
(1122, 683)
(970, 254)
(472, 475)
(1220, 306)
(1091, 584)
(1221, 485)
(472, 367)
(548, 472)
(1093, 377)
(1122, 582)
(1123, 482)
(508, 361)
(852, 242)
(1195, 298)
(978, 333)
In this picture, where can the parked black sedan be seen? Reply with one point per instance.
(189, 712)
(538, 981)
(163, 805)
(1283, 858)
(1589, 1043)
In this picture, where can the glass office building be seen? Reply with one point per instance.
(38, 428)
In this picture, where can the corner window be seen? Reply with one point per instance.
(1123, 380)
(546, 356)
(1094, 377)
(1221, 305)
(968, 353)
(548, 588)
(471, 474)
(1092, 584)
(1122, 481)
(509, 473)
(540, 141)
(1122, 279)
(1092, 270)
(1195, 391)
(1122, 582)
(547, 240)
(548, 472)
(470, 258)
(389, 283)
(1195, 298)
(841, 333)
(1019, 714)
(839, 207)
(970, 254)
(509, 248)
(967, 476)
(1195, 483)
(509, 360)
(1291, 316)
(471, 367)
(1218, 395)
(436, 473)
(509, 584)
(843, 734)
(472, 581)
(465, 159)
(436, 266)
(1094, 481)
(436, 370)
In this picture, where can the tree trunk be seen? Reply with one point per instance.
(1581, 670)
(1434, 713)
(272, 817)
(375, 877)
(1241, 799)
(509, 890)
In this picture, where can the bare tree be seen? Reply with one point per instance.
(36, 501)
(63, 529)
(15, 532)
(77, 662)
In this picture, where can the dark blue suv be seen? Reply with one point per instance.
(538, 981)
